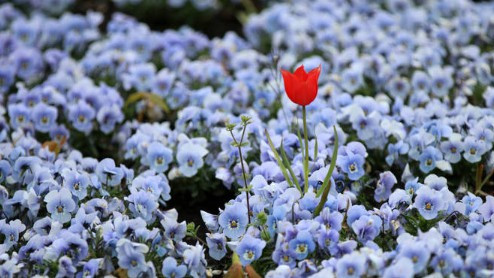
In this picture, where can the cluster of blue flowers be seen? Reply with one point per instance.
(406, 101)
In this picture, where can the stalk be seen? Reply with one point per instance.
(306, 158)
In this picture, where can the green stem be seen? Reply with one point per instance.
(239, 146)
(306, 158)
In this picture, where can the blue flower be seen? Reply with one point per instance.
(441, 81)
(428, 159)
(383, 188)
(250, 249)
(216, 245)
(76, 182)
(91, 268)
(189, 157)
(44, 117)
(108, 173)
(171, 269)
(143, 204)
(452, 149)
(435, 182)
(11, 231)
(302, 245)
(233, 220)
(174, 230)
(420, 82)
(130, 257)
(367, 227)
(60, 204)
(69, 244)
(354, 213)
(330, 220)
(417, 252)
(428, 202)
(19, 115)
(158, 157)
(283, 255)
(395, 150)
(447, 261)
(195, 261)
(5, 170)
(487, 209)
(473, 149)
(350, 266)
(327, 238)
(352, 164)
(108, 116)
(402, 268)
(472, 203)
(81, 116)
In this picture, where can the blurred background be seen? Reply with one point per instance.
(211, 17)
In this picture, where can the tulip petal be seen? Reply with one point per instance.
(301, 74)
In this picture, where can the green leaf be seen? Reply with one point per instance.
(326, 186)
(316, 147)
(159, 101)
(289, 166)
(332, 165)
(153, 98)
(278, 159)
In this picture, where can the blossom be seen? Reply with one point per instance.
(302, 244)
(250, 249)
(190, 158)
(159, 157)
(171, 269)
(300, 86)
(60, 205)
(234, 220)
(428, 202)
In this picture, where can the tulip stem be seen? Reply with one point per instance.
(306, 158)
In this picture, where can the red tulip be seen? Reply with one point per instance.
(300, 86)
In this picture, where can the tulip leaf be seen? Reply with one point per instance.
(326, 185)
(289, 166)
(278, 159)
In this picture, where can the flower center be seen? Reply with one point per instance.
(233, 224)
(44, 119)
(301, 248)
(350, 271)
(190, 162)
(428, 206)
(415, 259)
(159, 160)
(473, 151)
(453, 149)
(428, 162)
(442, 263)
(76, 186)
(59, 208)
(249, 254)
(352, 167)
(81, 118)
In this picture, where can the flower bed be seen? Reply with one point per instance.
(328, 139)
